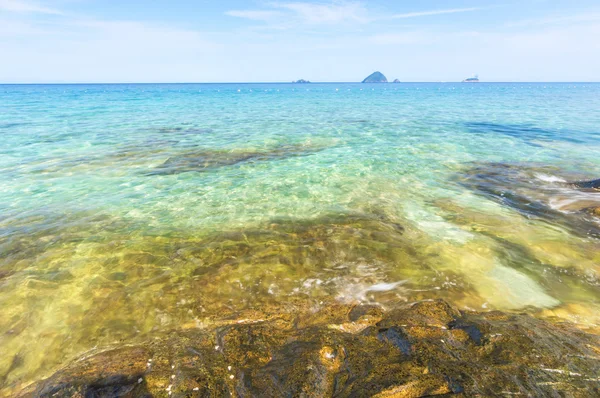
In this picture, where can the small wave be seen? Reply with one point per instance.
(548, 178)
(358, 291)
(573, 201)
(384, 287)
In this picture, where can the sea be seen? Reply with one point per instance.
(131, 211)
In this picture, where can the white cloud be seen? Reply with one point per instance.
(88, 50)
(10, 29)
(593, 16)
(316, 41)
(433, 12)
(26, 7)
(332, 13)
(257, 15)
(308, 13)
(312, 13)
(402, 38)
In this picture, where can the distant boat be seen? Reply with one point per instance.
(474, 79)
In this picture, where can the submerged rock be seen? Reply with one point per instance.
(595, 184)
(426, 349)
(375, 77)
(520, 187)
(206, 160)
(262, 295)
(531, 134)
(183, 130)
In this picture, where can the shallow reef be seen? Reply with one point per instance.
(68, 288)
(537, 222)
(208, 159)
(344, 303)
(532, 191)
(164, 152)
(427, 348)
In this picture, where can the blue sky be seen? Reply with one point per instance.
(264, 41)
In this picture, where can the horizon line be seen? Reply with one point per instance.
(300, 84)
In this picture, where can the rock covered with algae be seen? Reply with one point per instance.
(428, 348)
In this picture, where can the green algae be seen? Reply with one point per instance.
(110, 287)
(425, 349)
(107, 287)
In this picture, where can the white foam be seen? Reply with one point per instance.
(384, 287)
(358, 291)
(569, 199)
(548, 178)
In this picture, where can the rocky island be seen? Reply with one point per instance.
(301, 81)
(396, 81)
(375, 77)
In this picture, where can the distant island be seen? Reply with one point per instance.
(375, 77)
(378, 77)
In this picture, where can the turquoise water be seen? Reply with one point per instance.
(115, 200)
(89, 148)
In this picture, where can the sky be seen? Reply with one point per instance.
(78, 41)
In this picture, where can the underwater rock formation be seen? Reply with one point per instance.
(529, 133)
(424, 349)
(206, 160)
(160, 294)
(519, 186)
(595, 184)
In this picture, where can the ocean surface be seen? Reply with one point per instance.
(131, 211)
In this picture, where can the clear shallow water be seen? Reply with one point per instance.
(127, 211)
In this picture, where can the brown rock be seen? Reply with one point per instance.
(424, 387)
(427, 349)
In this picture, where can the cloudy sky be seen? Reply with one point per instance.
(269, 41)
